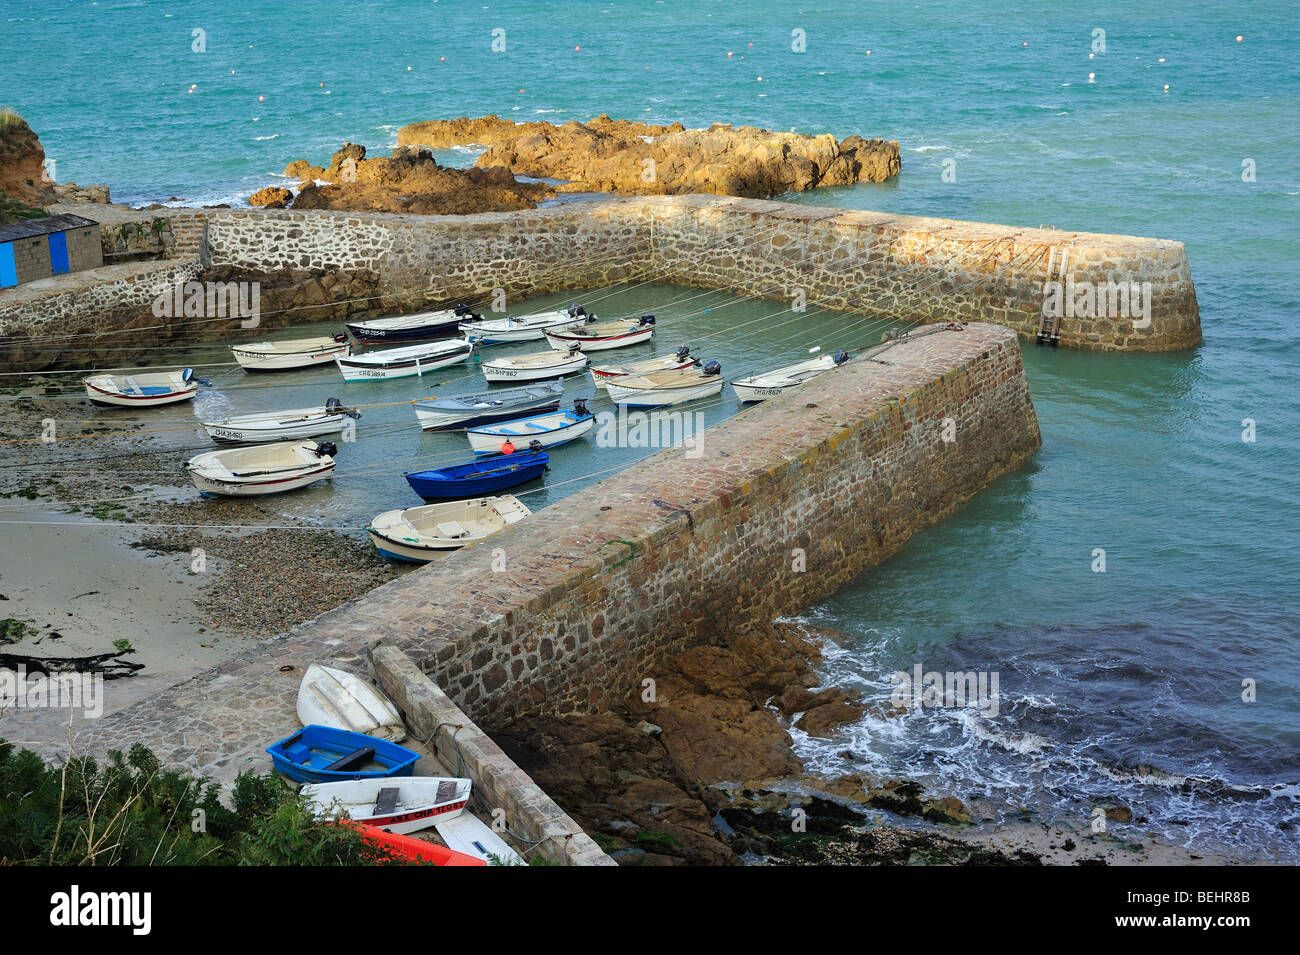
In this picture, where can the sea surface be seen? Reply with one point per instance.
(1122, 686)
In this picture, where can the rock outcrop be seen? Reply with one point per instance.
(621, 156)
(272, 197)
(23, 177)
(410, 180)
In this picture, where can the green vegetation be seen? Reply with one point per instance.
(9, 117)
(11, 210)
(12, 631)
(130, 811)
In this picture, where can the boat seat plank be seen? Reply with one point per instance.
(452, 529)
(446, 790)
(353, 760)
(386, 801)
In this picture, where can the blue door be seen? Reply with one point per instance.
(8, 271)
(59, 253)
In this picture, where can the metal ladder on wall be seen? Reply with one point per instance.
(1049, 327)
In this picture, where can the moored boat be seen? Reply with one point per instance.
(421, 326)
(524, 328)
(140, 391)
(535, 366)
(400, 806)
(417, 534)
(679, 359)
(321, 754)
(406, 361)
(547, 430)
(654, 389)
(294, 424)
(601, 336)
(771, 383)
(332, 697)
(457, 412)
(291, 354)
(478, 478)
(413, 849)
(261, 469)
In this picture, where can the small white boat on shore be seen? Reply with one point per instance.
(418, 534)
(261, 469)
(546, 430)
(405, 362)
(680, 359)
(535, 366)
(601, 336)
(658, 388)
(142, 390)
(332, 697)
(292, 425)
(291, 354)
(398, 804)
(771, 383)
(525, 328)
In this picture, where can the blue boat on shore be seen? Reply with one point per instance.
(321, 754)
(479, 478)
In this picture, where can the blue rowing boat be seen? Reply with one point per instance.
(321, 754)
(478, 478)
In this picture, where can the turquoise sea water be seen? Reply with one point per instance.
(1120, 686)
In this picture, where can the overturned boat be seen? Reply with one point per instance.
(418, 534)
(655, 389)
(769, 384)
(332, 697)
(292, 354)
(261, 469)
(421, 326)
(292, 425)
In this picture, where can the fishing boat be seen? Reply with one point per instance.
(411, 848)
(406, 361)
(535, 365)
(140, 391)
(657, 388)
(292, 425)
(525, 328)
(412, 328)
(679, 359)
(291, 354)
(322, 754)
(548, 430)
(468, 834)
(477, 478)
(331, 697)
(417, 534)
(601, 336)
(772, 383)
(464, 411)
(399, 806)
(261, 469)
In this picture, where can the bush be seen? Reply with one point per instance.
(131, 811)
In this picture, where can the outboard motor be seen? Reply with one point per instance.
(340, 338)
(841, 357)
(326, 448)
(534, 445)
(684, 353)
(646, 320)
(580, 407)
(334, 406)
(574, 349)
(575, 310)
(462, 309)
(712, 368)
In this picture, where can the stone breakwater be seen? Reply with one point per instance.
(567, 612)
(333, 266)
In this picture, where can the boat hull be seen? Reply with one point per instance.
(397, 538)
(353, 369)
(306, 756)
(251, 360)
(499, 373)
(425, 800)
(222, 433)
(480, 479)
(110, 399)
(415, 850)
(335, 698)
(438, 328)
(500, 333)
(563, 340)
(661, 397)
(431, 418)
(212, 475)
(600, 376)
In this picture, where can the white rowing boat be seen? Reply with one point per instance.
(331, 697)
(417, 534)
(654, 389)
(547, 430)
(601, 336)
(404, 362)
(535, 366)
(680, 359)
(525, 328)
(291, 354)
(139, 391)
(292, 425)
(771, 383)
(261, 469)
(399, 804)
